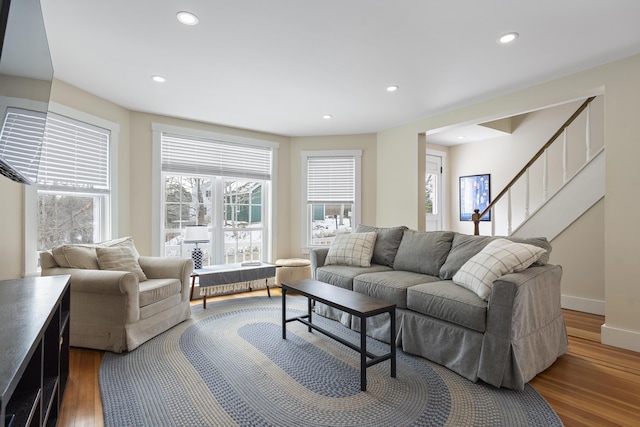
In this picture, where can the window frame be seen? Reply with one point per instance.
(269, 188)
(109, 212)
(357, 204)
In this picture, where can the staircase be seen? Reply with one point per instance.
(573, 198)
(577, 196)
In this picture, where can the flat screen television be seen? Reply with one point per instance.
(26, 73)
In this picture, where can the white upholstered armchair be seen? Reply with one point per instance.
(119, 299)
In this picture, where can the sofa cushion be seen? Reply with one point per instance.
(390, 286)
(423, 251)
(353, 249)
(387, 243)
(342, 275)
(447, 301)
(121, 258)
(465, 246)
(498, 258)
(154, 290)
(76, 256)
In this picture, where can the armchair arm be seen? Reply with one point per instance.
(108, 282)
(109, 295)
(317, 256)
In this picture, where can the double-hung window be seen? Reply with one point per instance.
(73, 183)
(331, 195)
(222, 182)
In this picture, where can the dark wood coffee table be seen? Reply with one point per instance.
(359, 305)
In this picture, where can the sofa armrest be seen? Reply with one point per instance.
(317, 256)
(525, 326)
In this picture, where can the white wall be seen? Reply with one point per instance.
(12, 213)
(396, 173)
(504, 156)
(620, 83)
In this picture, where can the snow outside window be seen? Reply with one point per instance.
(223, 185)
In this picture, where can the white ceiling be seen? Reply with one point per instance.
(279, 65)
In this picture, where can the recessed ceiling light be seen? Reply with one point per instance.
(158, 79)
(393, 88)
(508, 38)
(327, 116)
(187, 18)
(461, 137)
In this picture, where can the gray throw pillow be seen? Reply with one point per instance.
(465, 246)
(387, 242)
(423, 251)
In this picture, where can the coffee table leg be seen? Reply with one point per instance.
(363, 354)
(309, 305)
(284, 313)
(392, 313)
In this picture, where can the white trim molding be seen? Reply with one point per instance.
(585, 305)
(622, 338)
(304, 156)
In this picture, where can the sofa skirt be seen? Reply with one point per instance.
(444, 343)
(324, 310)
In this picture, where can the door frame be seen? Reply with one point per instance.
(443, 186)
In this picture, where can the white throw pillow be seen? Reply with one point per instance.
(122, 258)
(498, 258)
(354, 249)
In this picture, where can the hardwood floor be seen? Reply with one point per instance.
(592, 385)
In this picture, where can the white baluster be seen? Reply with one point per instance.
(565, 158)
(588, 132)
(493, 221)
(545, 176)
(509, 212)
(526, 194)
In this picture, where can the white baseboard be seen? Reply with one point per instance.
(582, 304)
(622, 338)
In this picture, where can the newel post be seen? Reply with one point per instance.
(475, 217)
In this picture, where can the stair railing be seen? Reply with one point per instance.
(477, 215)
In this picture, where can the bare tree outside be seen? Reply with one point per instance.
(64, 219)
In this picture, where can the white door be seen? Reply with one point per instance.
(433, 188)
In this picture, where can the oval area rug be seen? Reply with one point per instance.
(229, 366)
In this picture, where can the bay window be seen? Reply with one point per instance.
(222, 182)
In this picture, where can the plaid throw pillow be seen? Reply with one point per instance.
(498, 258)
(353, 249)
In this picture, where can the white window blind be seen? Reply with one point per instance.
(20, 143)
(75, 156)
(331, 179)
(189, 155)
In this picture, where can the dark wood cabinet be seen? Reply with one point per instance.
(34, 349)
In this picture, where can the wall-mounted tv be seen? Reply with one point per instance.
(26, 74)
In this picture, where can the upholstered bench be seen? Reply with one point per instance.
(289, 270)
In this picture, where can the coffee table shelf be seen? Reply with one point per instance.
(359, 305)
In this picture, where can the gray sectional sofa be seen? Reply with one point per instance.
(503, 339)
